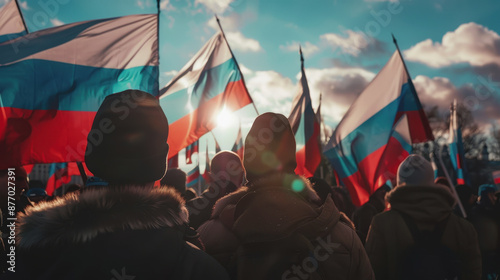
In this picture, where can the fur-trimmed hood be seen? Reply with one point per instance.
(76, 219)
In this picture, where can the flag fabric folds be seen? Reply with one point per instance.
(206, 173)
(456, 148)
(190, 150)
(193, 178)
(496, 177)
(369, 142)
(306, 128)
(238, 144)
(52, 86)
(60, 174)
(11, 22)
(207, 84)
(173, 162)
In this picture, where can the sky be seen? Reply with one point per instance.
(451, 47)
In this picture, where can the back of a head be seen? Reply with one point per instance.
(415, 170)
(227, 165)
(175, 178)
(128, 140)
(269, 147)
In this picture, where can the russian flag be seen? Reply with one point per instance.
(61, 173)
(206, 173)
(456, 147)
(209, 82)
(238, 144)
(11, 22)
(190, 150)
(496, 177)
(367, 145)
(52, 86)
(173, 162)
(306, 128)
(193, 177)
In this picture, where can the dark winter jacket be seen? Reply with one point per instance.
(363, 216)
(389, 235)
(269, 210)
(110, 233)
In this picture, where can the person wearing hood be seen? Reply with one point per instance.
(417, 201)
(121, 227)
(277, 204)
(485, 217)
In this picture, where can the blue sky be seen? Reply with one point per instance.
(452, 47)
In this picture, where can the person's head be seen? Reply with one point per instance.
(415, 170)
(189, 194)
(175, 178)
(227, 166)
(269, 147)
(442, 181)
(128, 140)
(321, 187)
(19, 178)
(487, 194)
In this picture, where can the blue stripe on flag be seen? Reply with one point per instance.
(212, 82)
(62, 86)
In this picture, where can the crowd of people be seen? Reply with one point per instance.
(256, 220)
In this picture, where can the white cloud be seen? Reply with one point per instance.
(171, 21)
(171, 73)
(339, 87)
(307, 48)
(56, 22)
(215, 6)
(271, 91)
(245, 70)
(239, 42)
(229, 23)
(352, 42)
(470, 43)
(144, 4)
(165, 5)
(24, 5)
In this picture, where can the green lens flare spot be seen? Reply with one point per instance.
(297, 185)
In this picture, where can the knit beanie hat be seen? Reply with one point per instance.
(269, 147)
(415, 170)
(128, 140)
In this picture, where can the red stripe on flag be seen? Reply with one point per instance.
(309, 157)
(497, 180)
(460, 181)
(191, 127)
(420, 130)
(44, 136)
(360, 190)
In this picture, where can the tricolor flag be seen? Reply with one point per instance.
(11, 22)
(60, 174)
(193, 177)
(173, 162)
(52, 86)
(306, 128)
(496, 177)
(456, 147)
(206, 173)
(190, 150)
(368, 144)
(238, 144)
(208, 83)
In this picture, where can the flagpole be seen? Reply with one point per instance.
(158, 45)
(22, 17)
(82, 172)
(236, 62)
(451, 183)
